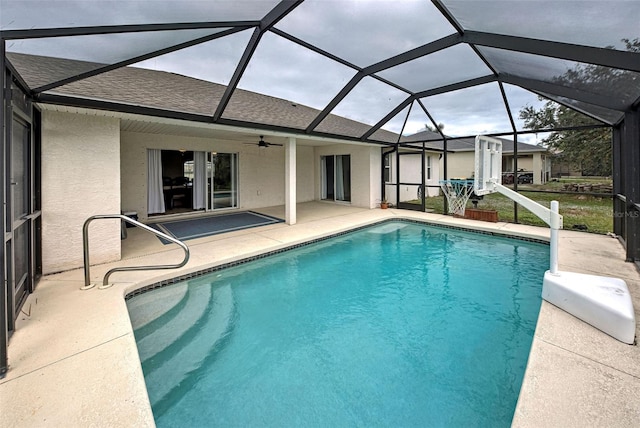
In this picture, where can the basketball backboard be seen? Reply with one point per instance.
(488, 165)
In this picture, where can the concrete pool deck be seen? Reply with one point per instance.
(73, 359)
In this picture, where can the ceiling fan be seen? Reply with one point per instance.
(264, 144)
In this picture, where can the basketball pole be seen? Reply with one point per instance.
(603, 302)
(487, 176)
(553, 245)
(549, 216)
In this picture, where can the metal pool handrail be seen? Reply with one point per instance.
(105, 281)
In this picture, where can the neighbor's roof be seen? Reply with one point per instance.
(420, 62)
(463, 144)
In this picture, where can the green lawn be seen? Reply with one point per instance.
(596, 213)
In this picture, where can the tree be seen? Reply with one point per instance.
(432, 129)
(589, 150)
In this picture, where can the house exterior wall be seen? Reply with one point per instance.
(260, 171)
(459, 165)
(305, 174)
(410, 172)
(536, 163)
(537, 168)
(365, 172)
(375, 177)
(527, 163)
(462, 165)
(80, 178)
(560, 168)
(90, 167)
(546, 160)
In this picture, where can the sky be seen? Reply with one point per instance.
(359, 31)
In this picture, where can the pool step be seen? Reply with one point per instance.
(175, 325)
(148, 307)
(173, 368)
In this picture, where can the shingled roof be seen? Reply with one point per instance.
(172, 92)
(433, 141)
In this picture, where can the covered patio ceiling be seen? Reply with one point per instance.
(392, 66)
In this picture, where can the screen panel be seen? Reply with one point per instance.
(470, 111)
(451, 65)
(364, 32)
(283, 69)
(598, 23)
(605, 81)
(31, 14)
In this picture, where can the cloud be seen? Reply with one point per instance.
(366, 32)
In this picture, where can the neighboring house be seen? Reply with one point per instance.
(563, 168)
(408, 187)
(531, 159)
(96, 161)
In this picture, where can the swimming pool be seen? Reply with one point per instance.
(399, 324)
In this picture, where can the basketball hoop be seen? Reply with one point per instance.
(457, 193)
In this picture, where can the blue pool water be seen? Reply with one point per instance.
(399, 324)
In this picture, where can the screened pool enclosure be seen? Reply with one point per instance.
(367, 72)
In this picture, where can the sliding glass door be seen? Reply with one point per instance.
(182, 181)
(222, 180)
(336, 178)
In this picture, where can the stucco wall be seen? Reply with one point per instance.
(375, 176)
(537, 166)
(365, 172)
(305, 174)
(80, 178)
(526, 163)
(260, 171)
(410, 172)
(459, 165)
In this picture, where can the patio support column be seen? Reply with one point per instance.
(290, 181)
